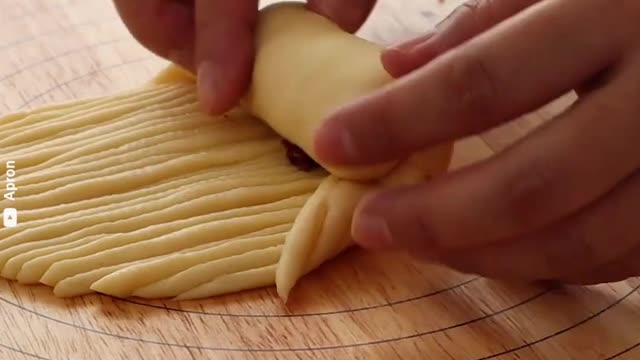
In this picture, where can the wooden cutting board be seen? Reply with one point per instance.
(359, 306)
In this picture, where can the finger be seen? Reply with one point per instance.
(467, 20)
(594, 245)
(349, 15)
(164, 27)
(516, 67)
(224, 51)
(551, 173)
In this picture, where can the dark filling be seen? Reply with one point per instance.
(299, 158)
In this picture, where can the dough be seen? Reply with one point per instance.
(109, 184)
(322, 229)
(141, 194)
(244, 280)
(316, 67)
(230, 257)
(333, 68)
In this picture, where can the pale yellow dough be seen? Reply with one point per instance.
(145, 180)
(141, 194)
(317, 67)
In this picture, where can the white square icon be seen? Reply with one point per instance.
(10, 217)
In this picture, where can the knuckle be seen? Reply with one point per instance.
(472, 83)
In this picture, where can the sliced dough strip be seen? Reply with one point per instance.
(124, 282)
(113, 254)
(43, 158)
(231, 283)
(205, 272)
(49, 111)
(119, 183)
(34, 270)
(153, 191)
(106, 113)
(80, 284)
(203, 140)
(35, 157)
(19, 120)
(26, 253)
(166, 209)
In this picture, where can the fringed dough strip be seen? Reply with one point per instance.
(107, 113)
(232, 283)
(14, 264)
(176, 234)
(80, 284)
(48, 111)
(124, 282)
(119, 183)
(202, 273)
(52, 214)
(208, 198)
(55, 178)
(108, 137)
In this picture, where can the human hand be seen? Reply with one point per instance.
(561, 204)
(214, 38)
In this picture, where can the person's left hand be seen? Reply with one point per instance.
(561, 204)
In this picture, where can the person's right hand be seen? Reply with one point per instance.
(214, 38)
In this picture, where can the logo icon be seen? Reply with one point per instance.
(10, 217)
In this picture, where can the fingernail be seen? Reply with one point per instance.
(208, 88)
(372, 232)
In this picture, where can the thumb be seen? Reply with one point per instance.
(400, 218)
(348, 14)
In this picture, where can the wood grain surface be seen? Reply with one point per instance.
(359, 306)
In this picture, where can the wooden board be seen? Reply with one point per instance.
(359, 306)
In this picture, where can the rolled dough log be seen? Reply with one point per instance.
(305, 67)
